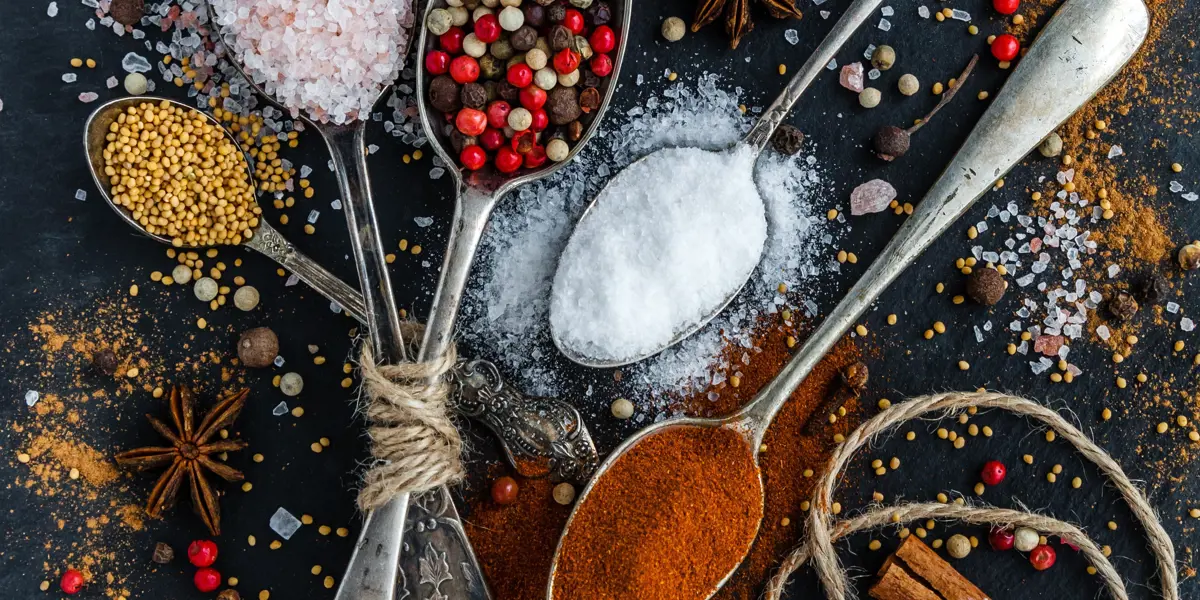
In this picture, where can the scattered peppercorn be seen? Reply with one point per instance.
(869, 97)
(163, 553)
(504, 490)
(258, 347)
(1122, 307)
(1051, 146)
(1153, 288)
(673, 29)
(104, 361)
(1189, 257)
(986, 286)
(891, 142)
(787, 140)
(958, 546)
(229, 594)
(127, 12)
(883, 57)
(71, 582)
(908, 84)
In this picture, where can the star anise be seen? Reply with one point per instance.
(188, 456)
(737, 15)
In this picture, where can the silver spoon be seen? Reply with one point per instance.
(1080, 50)
(756, 140)
(266, 239)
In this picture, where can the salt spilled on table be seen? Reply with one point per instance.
(329, 59)
(666, 244)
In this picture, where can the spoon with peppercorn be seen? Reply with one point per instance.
(607, 306)
(1083, 46)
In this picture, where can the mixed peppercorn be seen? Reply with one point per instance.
(513, 85)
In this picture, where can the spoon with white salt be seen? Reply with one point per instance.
(672, 239)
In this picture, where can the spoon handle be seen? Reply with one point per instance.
(273, 245)
(856, 14)
(1080, 50)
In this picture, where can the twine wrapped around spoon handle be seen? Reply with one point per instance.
(823, 530)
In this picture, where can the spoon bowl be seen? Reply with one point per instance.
(1079, 51)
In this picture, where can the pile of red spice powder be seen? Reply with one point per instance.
(670, 519)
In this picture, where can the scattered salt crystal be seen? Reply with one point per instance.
(851, 77)
(423, 221)
(611, 304)
(372, 149)
(88, 97)
(1048, 345)
(31, 397)
(1115, 151)
(871, 197)
(1103, 332)
(873, 74)
(885, 25)
(112, 82)
(978, 335)
(792, 36)
(69, 77)
(1025, 280)
(887, 11)
(284, 524)
(1186, 324)
(292, 279)
(1113, 270)
(336, 204)
(923, 11)
(80, 195)
(1175, 187)
(280, 409)
(52, 10)
(90, 24)
(960, 15)
(825, 14)
(832, 64)
(1190, 196)
(981, 227)
(436, 173)
(335, 308)
(1015, 326)
(314, 215)
(1041, 365)
(135, 63)
(1172, 307)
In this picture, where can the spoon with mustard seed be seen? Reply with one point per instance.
(1083, 46)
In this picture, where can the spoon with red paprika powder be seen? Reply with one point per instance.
(672, 512)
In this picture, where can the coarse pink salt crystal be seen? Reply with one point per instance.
(1048, 345)
(852, 77)
(88, 97)
(1035, 244)
(871, 197)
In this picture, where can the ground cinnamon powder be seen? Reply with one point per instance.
(669, 520)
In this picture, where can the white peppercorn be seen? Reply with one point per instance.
(479, 12)
(568, 79)
(908, 84)
(510, 2)
(491, 3)
(545, 78)
(581, 3)
(454, 3)
(246, 298)
(958, 546)
(458, 15)
(564, 493)
(536, 59)
(1051, 146)
(511, 18)
(622, 408)
(439, 21)
(206, 289)
(520, 119)
(181, 274)
(557, 151)
(291, 384)
(673, 29)
(1025, 539)
(473, 46)
(136, 84)
(869, 97)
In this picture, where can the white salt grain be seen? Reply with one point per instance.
(670, 240)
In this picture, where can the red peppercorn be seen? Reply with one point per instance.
(566, 61)
(520, 75)
(1042, 557)
(533, 97)
(1005, 47)
(487, 28)
(602, 65)
(536, 157)
(202, 553)
(473, 157)
(541, 120)
(470, 121)
(437, 62)
(497, 113)
(523, 141)
(1006, 7)
(504, 490)
(603, 39)
(573, 20)
(207, 579)
(464, 69)
(452, 40)
(71, 582)
(1001, 539)
(491, 139)
(993, 472)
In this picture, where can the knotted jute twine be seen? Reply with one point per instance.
(413, 439)
(823, 530)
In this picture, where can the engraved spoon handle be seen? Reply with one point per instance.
(268, 241)
(858, 12)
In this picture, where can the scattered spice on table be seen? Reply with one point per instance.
(671, 518)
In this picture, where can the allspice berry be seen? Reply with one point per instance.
(787, 140)
(473, 95)
(258, 347)
(127, 12)
(443, 94)
(891, 142)
(1122, 307)
(883, 57)
(1051, 146)
(562, 104)
(986, 286)
(958, 546)
(1153, 288)
(1189, 257)
(105, 361)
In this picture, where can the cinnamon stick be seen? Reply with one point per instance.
(897, 584)
(916, 561)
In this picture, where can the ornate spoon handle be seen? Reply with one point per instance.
(273, 245)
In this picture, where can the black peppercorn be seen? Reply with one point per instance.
(560, 38)
(601, 14)
(443, 94)
(507, 91)
(473, 96)
(163, 553)
(891, 142)
(986, 286)
(1153, 288)
(127, 12)
(523, 39)
(105, 361)
(562, 103)
(490, 88)
(459, 140)
(490, 67)
(589, 79)
(787, 139)
(589, 99)
(535, 14)
(1122, 307)
(556, 13)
